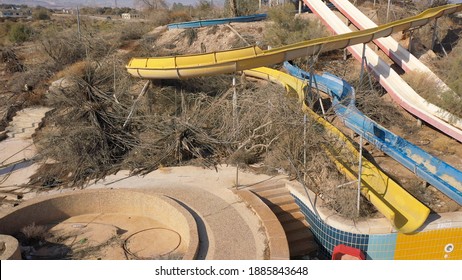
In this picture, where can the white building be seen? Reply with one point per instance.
(130, 16)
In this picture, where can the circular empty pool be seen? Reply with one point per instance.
(103, 224)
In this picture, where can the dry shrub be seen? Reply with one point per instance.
(213, 30)
(191, 35)
(422, 192)
(426, 87)
(344, 199)
(20, 33)
(34, 233)
(179, 16)
(157, 17)
(146, 48)
(33, 77)
(287, 28)
(13, 63)
(66, 47)
(182, 122)
(451, 67)
(85, 138)
(133, 31)
(74, 70)
(201, 128)
(63, 48)
(243, 7)
(370, 103)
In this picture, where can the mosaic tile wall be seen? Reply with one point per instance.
(439, 244)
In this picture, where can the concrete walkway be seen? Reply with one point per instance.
(17, 153)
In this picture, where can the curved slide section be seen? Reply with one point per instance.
(398, 89)
(399, 55)
(186, 66)
(210, 22)
(441, 175)
(405, 212)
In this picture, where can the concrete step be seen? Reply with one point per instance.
(284, 208)
(264, 186)
(294, 225)
(299, 234)
(290, 217)
(273, 192)
(282, 204)
(302, 247)
(279, 200)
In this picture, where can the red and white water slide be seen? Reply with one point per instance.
(400, 55)
(399, 90)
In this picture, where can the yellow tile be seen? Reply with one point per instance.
(434, 245)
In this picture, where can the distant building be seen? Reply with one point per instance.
(12, 14)
(68, 11)
(130, 16)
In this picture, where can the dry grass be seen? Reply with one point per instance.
(450, 69)
(12, 63)
(286, 28)
(429, 90)
(85, 137)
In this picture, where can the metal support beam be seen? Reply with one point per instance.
(235, 118)
(360, 170)
(411, 33)
(304, 148)
(388, 10)
(435, 34)
(345, 50)
(132, 110)
(363, 61)
(78, 23)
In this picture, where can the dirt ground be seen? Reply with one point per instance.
(105, 237)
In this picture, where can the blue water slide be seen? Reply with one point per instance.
(210, 22)
(436, 172)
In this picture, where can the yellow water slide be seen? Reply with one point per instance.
(404, 211)
(187, 66)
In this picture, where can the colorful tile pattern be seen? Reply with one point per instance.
(439, 244)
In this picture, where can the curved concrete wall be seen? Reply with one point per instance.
(438, 239)
(277, 239)
(63, 206)
(9, 248)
